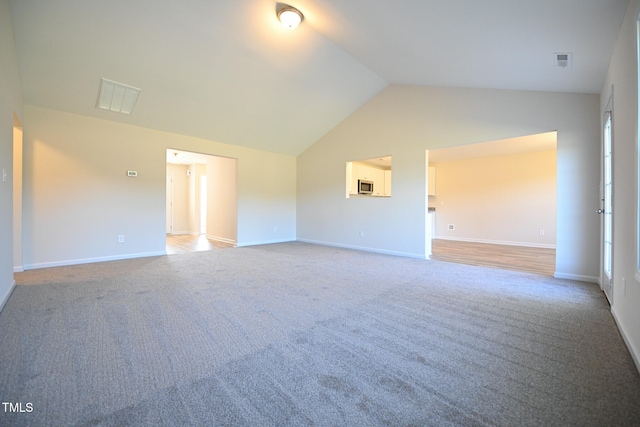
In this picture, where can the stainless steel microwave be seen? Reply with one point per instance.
(365, 187)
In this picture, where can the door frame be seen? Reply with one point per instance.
(606, 198)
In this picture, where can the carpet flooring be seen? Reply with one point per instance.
(296, 334)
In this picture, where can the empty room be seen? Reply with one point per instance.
(125, 125)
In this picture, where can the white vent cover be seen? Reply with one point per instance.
(563, 59)
(117, 97)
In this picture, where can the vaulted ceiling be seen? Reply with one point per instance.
(225, 70)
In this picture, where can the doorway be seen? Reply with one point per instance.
(203, 208)
(500, 195)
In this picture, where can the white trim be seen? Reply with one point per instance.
(263, 242)
(6, 298)
(222, 239)
(499, 242)
(635, 354)
(18, 269)
(366, 249)
(91, 260)
(578, 277)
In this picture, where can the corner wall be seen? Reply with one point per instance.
(404, 121)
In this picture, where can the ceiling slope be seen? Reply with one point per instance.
(226, 71)
(219, 70)
(501, 44)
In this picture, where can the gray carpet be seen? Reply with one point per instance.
(296, 334)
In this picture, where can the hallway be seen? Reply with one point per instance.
(185, 243)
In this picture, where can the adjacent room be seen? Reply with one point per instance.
(238, 213)
(201, 206)
(494, 203)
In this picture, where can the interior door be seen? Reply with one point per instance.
(606, 210)
(169, 203)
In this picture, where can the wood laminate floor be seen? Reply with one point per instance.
(521, 258)
(184, 243)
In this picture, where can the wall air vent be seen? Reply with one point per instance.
(117, 97)
(563, 59)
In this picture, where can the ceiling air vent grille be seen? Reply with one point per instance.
(117, 97)
(562, 59)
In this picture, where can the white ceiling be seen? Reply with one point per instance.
(224, 70)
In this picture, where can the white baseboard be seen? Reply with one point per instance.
(366, 249)
(264, 242)
(578, 277)
(635, 354)
(499, 242)
(222, 240)
(18, 268)
(91, 260)
(6, 297)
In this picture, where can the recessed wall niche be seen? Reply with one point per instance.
(368, 178)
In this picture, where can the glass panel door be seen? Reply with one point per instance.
(607, 231)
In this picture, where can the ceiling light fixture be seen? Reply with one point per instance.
(290, 17)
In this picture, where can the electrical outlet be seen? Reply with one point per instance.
(361, 233)
(451, 227)
(121, 238)
(542, 231)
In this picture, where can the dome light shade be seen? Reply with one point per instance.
(290, 17)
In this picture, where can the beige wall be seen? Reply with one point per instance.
(10, 105)
(78, 198)
(503, 199)
(17, 197)
(221, 196)
(404, 121)
(623, 77)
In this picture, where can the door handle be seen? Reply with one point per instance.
(600, 211)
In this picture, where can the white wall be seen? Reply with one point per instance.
(78, 198)
(623, 75)
(404, 121)
(10, 104)
(502, 199)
